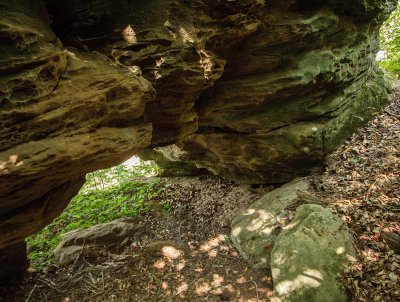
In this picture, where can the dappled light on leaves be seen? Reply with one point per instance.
(160, 264)
(370, 255)
(171, 253)
(181, 265)
(163, 270)
(212, 243)
(108, 194)
(217, 280)
(185, 273)
(202, 288)
(183, 287)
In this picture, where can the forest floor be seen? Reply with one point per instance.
(361, 184)
(181, 254)
(184, 252)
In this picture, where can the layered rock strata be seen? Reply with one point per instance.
(290, 93)
(63, 113)
(253, 90)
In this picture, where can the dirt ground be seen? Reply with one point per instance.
(184, 252)
(181, 254)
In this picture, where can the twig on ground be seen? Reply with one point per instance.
(251, 278)
(30, 294)
(102, 279)
(50, 284)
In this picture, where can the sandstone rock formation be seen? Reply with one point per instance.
(62, 114)
(298, 83)
(252, 90)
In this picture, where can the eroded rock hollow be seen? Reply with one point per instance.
(255, 91)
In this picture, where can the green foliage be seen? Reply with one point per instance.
(107, 195)
(390, 43)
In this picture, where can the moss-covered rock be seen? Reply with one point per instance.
(255, 229)
(308, 256)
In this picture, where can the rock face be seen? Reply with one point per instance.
(62, 114)
(256, 91)
(308, 256)
(297, 84)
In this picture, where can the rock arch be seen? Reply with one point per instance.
(256, 91)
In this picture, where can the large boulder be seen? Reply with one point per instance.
(304, 245)
(308, 256)
(254, 230)
(256, 91)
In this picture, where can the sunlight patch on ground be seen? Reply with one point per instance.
(170, 260)
(171, 252)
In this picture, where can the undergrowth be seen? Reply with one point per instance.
(107, 195)
(390, 44)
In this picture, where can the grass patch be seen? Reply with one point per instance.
(107, 195)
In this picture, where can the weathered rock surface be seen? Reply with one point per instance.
(309, 254)
(300, 81)
(305, 253)
(86, 242)
(62, 114)
(255, 229)
(256, 91)
(250, 90)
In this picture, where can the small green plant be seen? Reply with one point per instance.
(107, 195)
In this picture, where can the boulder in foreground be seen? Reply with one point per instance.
(255, 229)
(308, 256)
